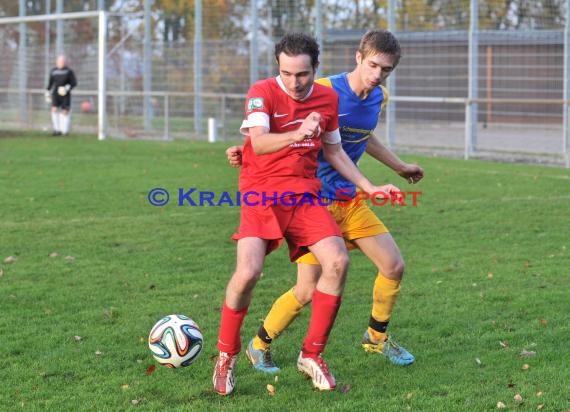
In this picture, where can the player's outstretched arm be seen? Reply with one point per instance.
(411, 172)
(337, 157)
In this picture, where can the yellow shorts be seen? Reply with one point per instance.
(355, 219)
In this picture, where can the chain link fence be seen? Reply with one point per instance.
(479, 78)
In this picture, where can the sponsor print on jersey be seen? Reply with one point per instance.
(354, 135)
(255, 103)
(304, 143)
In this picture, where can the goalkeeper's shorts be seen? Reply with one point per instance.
(62, 102)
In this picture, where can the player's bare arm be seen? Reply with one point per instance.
(264, 142)
(337, 157)
(411, 172)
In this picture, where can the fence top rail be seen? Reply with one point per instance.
(461, 100)
(131, 93)
(416, 99)
(53, 16)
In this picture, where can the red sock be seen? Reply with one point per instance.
(324, 310)
(229, 338)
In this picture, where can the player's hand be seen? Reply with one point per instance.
(47, 96)
(412, 173)
(309, 128)
(234, 154)
(383, 192)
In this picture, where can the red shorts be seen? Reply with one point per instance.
(301, 225)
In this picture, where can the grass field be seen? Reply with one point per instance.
(488, 273)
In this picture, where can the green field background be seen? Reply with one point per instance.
(95, 266)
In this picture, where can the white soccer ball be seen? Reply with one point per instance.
(175, 341)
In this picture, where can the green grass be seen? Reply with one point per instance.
(487, 253)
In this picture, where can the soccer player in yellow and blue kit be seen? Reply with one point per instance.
(362, 97)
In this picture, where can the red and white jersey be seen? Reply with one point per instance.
(292, 169)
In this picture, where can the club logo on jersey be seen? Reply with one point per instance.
(255, 103)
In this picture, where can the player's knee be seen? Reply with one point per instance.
(336, 264)
(246, 279)
(395, 270)
(304, 295)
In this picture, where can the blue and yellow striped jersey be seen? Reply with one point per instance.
(357, 118)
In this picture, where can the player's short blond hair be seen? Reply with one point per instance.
(380, 42)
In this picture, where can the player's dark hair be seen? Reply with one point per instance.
(380, 42)
(295, 44)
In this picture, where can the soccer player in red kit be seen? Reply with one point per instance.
(288, 119)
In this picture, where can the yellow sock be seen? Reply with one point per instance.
(285, 309)
(384, 297)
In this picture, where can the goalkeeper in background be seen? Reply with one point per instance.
(58, 93)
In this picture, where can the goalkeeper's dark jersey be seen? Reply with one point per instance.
(61, 77)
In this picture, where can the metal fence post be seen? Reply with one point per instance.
(166, 117)
(101, 78)
(253, 42)
(566, 92)
(198, 66)
(468, 130)
(391, 83)
(59, 28)
(319, 34)
(473, 92)
(147, 68)
(22, 64)
(223, 115)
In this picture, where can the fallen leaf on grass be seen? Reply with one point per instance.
(490, 275)
(10, 259)
(135, 401)
(501, 405)
(478, 362)
(110, 313)
(543, 322)
(345, 388)
(540, 406)
(270, 390)
(69, 258)
(518, 397)
(539, 393)
(98, 352)
(150, 370)
(525, 366)
(53, 254)
(77, 338)
(125, 386)
(504, 344)
(527, 353)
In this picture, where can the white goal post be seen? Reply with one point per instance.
(101, 53)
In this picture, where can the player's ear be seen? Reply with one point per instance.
(358, 57)
(315, 67)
